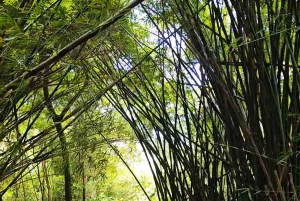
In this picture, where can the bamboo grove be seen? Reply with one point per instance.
(209, 88)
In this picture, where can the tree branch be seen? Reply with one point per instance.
(64, 51)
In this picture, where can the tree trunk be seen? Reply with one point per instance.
(57, 120)
(84, 181)
(46, 180)
(65, 156)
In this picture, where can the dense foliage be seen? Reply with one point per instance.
(208, 89)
